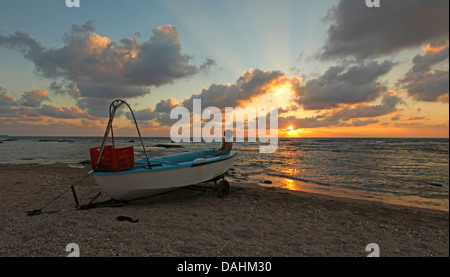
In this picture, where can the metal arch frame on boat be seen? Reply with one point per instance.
(112, 111)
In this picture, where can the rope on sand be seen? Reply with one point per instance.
(72, 187)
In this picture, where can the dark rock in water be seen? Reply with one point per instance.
(55, 140)
(85, 162)
(131, 140)
(434, 184)
(168, 146)
(267, 182)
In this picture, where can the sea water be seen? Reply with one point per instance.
(411, 172)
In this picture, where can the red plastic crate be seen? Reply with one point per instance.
(113, 159)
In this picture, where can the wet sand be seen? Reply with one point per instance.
(253, 221)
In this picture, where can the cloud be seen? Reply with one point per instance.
(49, 127)
(30, 106)
(64, 88)
(362, 32)
(166, 106)
(160, 116)
(95, 98)
(411, 118)
(91, 58)
(340, 116)
(339, 85)
(7, 103)
(159, 60)
(34, 98)
(252, 83)
(22, 42)
(425, 81)
(396, 117)
(92, 66)
(344, 91)
(146, 114)
(388, 105)
(59, 112)
(207, 64)
(51, 111)
(288, 109)
(98, 107)
(359, 123)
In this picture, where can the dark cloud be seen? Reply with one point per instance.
(388, 105)
(64, 88)
(23, 43)
(146, 114)
(166, 106)
(206, 66)
(30, 105)
(359, 123)
(435, 54)
(92, 66)
(396, 117)
(61, 112)
(288, 109)
(159, 60)
(362, 32)
(98, 107)
(160, 116)
(7, 103)
(91, 58)
(339, 85)
(416, 118)
(339, 117)
(34, 98)
(424, 82)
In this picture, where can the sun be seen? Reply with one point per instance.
(292, 132)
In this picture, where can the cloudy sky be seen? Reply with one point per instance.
(333, 68)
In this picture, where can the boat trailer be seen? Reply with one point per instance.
(222, 188)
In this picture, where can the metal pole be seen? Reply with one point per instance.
(75, 196)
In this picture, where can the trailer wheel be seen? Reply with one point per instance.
(223, 189)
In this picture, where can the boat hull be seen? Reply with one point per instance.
(145, 183)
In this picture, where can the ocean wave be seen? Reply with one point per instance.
(298, 179)
(370, 142)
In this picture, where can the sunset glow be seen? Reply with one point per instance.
(59, 79)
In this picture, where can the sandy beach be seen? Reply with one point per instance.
(253, 221)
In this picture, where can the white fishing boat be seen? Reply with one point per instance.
(166, 174)
(148, 177)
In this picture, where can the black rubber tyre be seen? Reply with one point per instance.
(223, 189)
